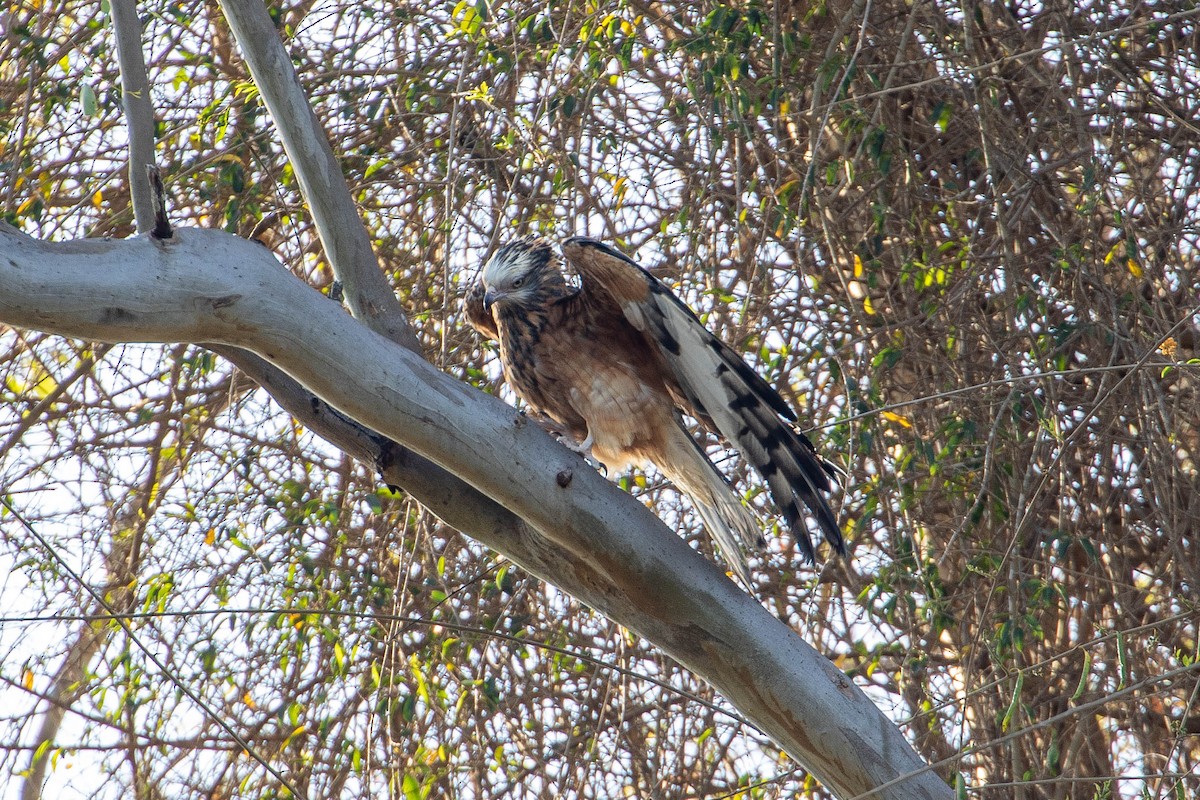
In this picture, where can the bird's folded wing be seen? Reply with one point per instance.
(718, 384)
(696, 356)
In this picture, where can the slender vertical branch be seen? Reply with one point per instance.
(343, 236)
(139, 111)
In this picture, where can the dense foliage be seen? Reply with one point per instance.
(961, 238)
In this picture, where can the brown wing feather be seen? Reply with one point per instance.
(616, 286)
(718, 385)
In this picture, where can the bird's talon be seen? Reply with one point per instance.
(584, 449)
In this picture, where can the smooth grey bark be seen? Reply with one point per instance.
(579, 531)
(139, 111)
(339, 227)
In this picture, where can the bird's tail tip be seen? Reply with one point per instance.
(733, 527)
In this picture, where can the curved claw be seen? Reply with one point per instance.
(584, 449)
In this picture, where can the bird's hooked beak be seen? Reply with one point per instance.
(490, 297)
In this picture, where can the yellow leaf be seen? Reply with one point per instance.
(1134, 268)
(249, 701)
(481, 93)
(211, 536)
(98, 198)
(858, 267)
(27, 679)
(620, 187)
(868, 306)
(41, 383)
(892, 416)
(299, 730)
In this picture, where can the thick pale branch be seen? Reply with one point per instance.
(583, 533)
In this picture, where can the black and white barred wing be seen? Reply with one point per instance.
(720, 387)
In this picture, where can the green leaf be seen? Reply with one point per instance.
(1083, 675)
(375, 166)
(1122, 660)
(87, 99)
(1013, 704)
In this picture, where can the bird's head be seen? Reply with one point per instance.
(519, 273)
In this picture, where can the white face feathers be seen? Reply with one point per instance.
(514, 272)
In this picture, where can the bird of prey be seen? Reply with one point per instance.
(613, 361)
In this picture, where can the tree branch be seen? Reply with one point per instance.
(339, 226)
(583, 533)
(139, 112)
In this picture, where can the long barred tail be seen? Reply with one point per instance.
(795, 474)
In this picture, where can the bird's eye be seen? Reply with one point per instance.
(517, 283)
